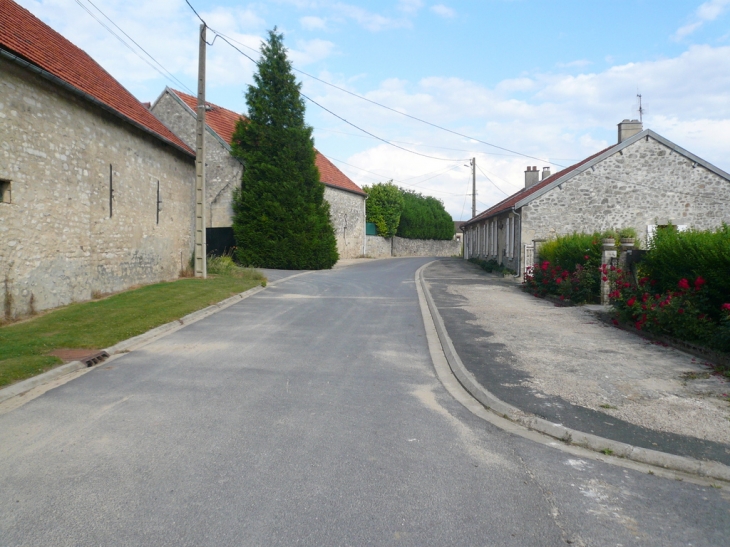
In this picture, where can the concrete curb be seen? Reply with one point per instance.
(709, 469)
(129, 344)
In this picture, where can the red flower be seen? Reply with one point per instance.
(653, 282)
(562, 297)
(604, 278)
(544, 266)
(645, 297)
(643, 280)
(558, 280)
(699, 282)
(586, 257)
(683, 284)
(725, 307)
(631, 301)
(680, 311)
(565, 273)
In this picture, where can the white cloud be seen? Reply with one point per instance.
(373, 22)
(709, 11)
(410, 6)
(311, 22)
(560, 117)
(580, 63)
(311, 51)
(443, 11)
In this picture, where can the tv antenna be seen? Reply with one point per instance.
(641, 109)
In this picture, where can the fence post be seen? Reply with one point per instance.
(609, 252)
(627, 244)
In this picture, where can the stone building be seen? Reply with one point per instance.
(178, 111)
(96, 193)
(643, 181)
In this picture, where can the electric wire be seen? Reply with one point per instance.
(170, 74)
(511, 152)
(87, 10)
(491, 181)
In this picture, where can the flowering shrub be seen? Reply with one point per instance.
(579, 286)
(679, 312)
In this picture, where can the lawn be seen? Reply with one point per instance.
(98, 324)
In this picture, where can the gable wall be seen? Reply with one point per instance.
(57, 241)
(347, 212)
(648, 184)
(222, 171)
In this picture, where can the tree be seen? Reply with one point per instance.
(281, 219)
(383, 207)
(424, 217)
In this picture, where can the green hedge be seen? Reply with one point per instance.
(675, 255)
(424, 217)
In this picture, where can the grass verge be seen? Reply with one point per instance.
(24, 346)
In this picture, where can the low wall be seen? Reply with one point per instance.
(379, 247)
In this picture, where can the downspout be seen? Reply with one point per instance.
(365, 226)
(519, 244)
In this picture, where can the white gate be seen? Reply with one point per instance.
(529, 257)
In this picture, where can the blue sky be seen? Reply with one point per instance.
(547, 79)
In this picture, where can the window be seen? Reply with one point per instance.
(5, 191)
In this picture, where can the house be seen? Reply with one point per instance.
(178, 111)
(96, 193)
(642, 181)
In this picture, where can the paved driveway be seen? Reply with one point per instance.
(309, 414)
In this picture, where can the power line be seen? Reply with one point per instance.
(380, 177)
(491, 181)
(168, 76)
(511, 152)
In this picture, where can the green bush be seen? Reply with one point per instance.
(424, 217)
(384, 207)
(675, 255)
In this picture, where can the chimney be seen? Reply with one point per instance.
(545, 173)
(629, 128)
(532, 176)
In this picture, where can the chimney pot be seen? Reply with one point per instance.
(545, 172)
(629, 128)
(532, 177)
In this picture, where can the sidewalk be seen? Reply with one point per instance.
(566, 366)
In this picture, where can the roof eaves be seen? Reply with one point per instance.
(336, 187)
(76, 91)
(580, 169)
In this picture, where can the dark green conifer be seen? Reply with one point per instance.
(281, 219)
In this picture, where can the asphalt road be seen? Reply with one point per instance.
(310, 414)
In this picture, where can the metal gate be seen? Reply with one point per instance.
(529, 257)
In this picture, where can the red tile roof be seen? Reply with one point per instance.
(223, 122)
(510, 201)
(25, 36)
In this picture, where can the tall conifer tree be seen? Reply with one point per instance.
(281, 219)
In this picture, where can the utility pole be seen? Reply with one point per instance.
(201, 269)
(473, 187)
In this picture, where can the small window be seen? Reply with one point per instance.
(5, 191)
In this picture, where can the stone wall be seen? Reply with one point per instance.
(379, 247)
(58, 242)
(347, 212)
(222, 171)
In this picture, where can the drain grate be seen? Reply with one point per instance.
(95, 359)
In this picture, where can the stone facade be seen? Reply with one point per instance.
(380, 247)
(644, 182)
(347, 212)
(59, 240)
(222, 171)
